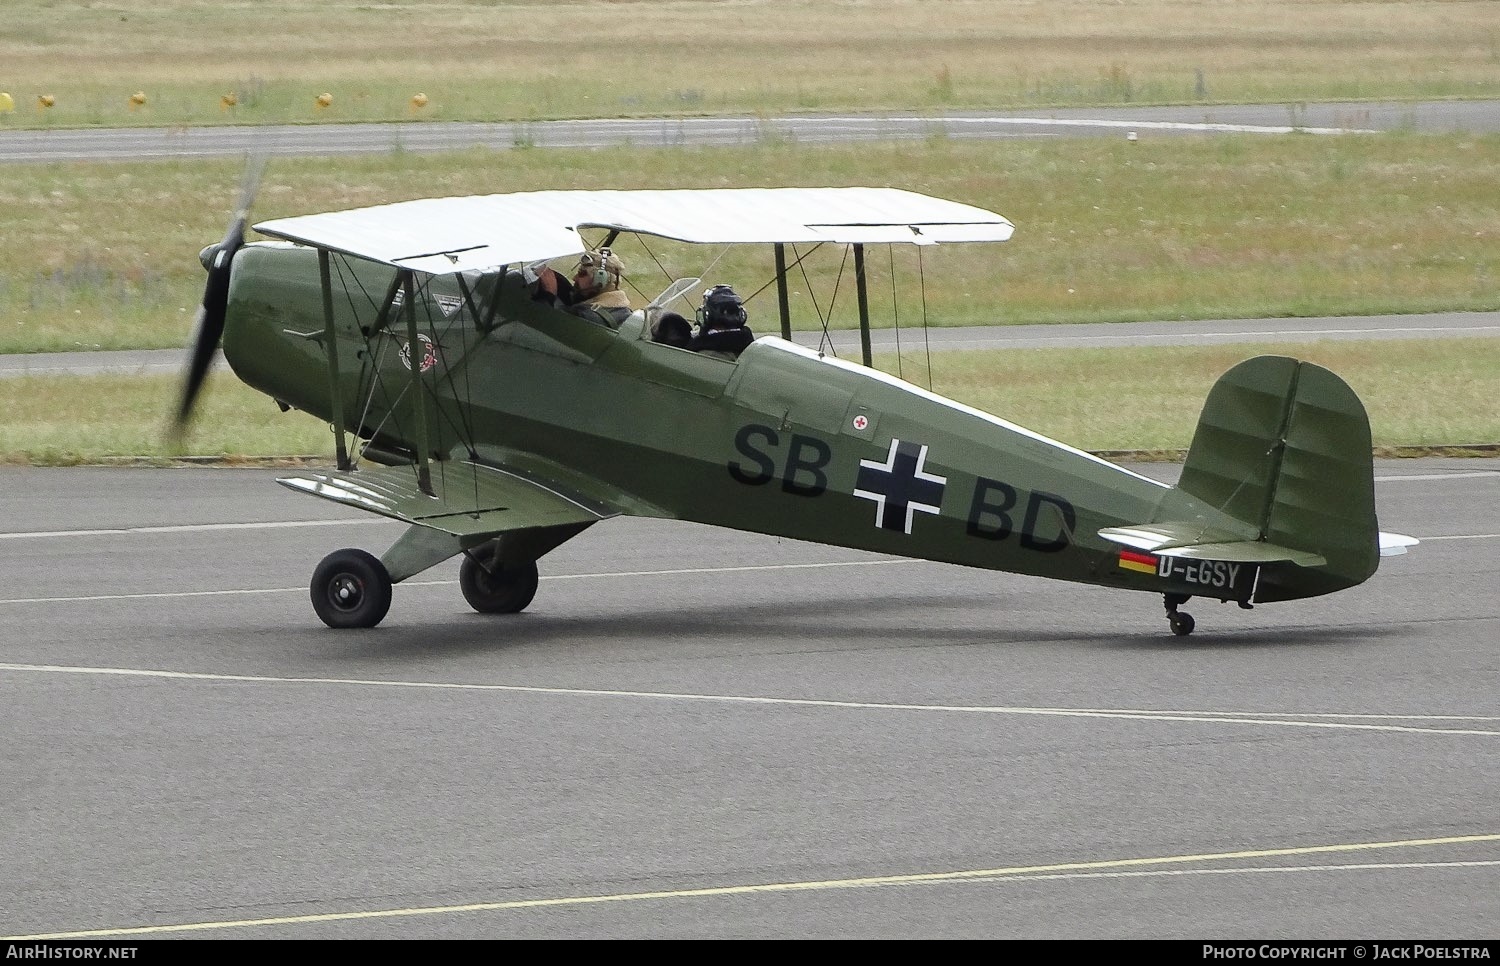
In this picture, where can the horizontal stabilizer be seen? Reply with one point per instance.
(469, 499)
(1197, 543)
(1395, 544)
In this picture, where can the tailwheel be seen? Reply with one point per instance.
(1180, 621)
(494, 588)
(351, 588)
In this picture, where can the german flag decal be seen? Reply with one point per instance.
(1143, 563)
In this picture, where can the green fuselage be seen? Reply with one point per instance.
(781, 441)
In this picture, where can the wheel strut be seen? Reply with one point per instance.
(1181, 622)
(491, 587)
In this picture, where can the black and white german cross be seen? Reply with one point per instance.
(900, 486)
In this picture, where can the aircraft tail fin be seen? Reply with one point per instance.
(1284, 447)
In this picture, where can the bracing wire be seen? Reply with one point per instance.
(895, 311)
(826, 342)
(465, 429)
(647, 249)
(795, 262)
(926, 333)
(467, 308)
(375, 357)
(461, 427)
(832, 299)
(702, 273)
(341, 263)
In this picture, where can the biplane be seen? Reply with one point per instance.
(497, 426)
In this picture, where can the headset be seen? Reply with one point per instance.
(600, 261)
(722, 305)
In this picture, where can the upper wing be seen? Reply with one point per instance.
(471, 501)
(443, 235)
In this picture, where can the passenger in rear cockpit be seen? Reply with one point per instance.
(722, 331)
(672, 329)
(593, 294)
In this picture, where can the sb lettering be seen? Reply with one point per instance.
(805, 460)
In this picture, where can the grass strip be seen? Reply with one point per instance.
(1419, 394)
(1234, 226)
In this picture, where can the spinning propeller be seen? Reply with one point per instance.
(208, 325)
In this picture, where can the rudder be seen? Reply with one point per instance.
(1284, 445)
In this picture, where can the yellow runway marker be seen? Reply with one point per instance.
(866, 882)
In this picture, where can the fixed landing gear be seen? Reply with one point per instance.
(494, 588)
(351, 588)
(1181, 622)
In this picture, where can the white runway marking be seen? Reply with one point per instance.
(1161, 125)
(368, 520)
(1335, 721)
(1440, 477)
(161, 595)
(1149, 865)
(889, 343)
(449, 583)
(192, 528)
(1462, 536)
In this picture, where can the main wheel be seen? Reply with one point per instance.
(500, 590)
(1182, 624)
(351, 588)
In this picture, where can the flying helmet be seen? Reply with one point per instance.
(721, 309)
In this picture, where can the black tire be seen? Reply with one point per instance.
(1182, 624)
(351, 588)
(503, 590)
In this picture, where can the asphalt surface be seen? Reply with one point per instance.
(99, 144)
(699, 733)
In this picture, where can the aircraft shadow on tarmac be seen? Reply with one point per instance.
(1278, 638)
(886, 623)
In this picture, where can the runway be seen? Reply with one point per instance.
(330, 140)
(696, 733)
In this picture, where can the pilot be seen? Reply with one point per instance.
(722, 332)
(593, 294)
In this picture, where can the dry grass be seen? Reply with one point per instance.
(1234, 226)
(490, 59)
(1438, 392)
(66, 420)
